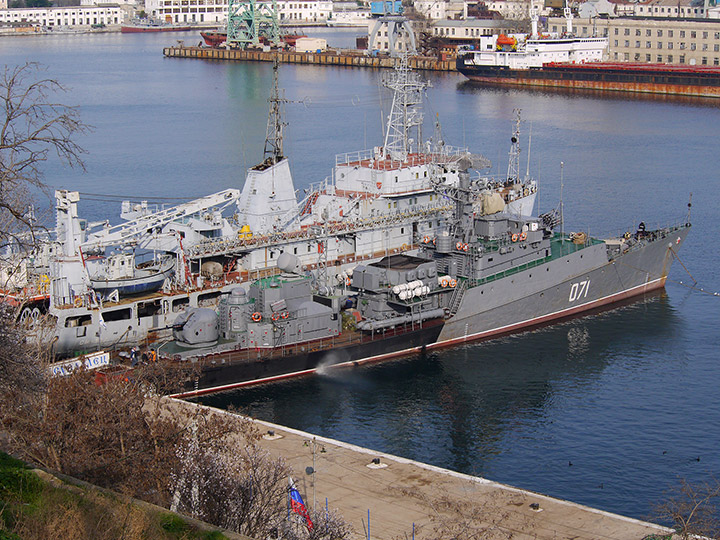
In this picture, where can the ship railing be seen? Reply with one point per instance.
(509, 272)
(378, 159)
(230, 244)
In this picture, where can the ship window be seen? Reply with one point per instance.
(180, 304)
(148, 309)
(308, 248)
(295, 251)
(208, 299)
(82, 320)
(117, 315)
(402, 230)
(395, 204)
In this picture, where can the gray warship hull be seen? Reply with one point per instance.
(563, 287)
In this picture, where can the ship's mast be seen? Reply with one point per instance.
(406, 112)
(513, 174)
(275, 126)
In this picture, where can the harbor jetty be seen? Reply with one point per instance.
(384, 496)
(331, 57)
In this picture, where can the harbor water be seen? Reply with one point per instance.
(608, 410)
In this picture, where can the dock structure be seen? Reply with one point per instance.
(332, 57)
(385, 497)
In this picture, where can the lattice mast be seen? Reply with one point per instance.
(406, 112)
(513, 174)
(273, 152)
(251, 20)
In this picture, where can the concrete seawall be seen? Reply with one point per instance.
(331, 58)
(397, 493)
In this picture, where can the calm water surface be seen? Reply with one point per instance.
(629, 397)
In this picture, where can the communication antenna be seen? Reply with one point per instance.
(562, 207)
(527, 170)
(275, 126)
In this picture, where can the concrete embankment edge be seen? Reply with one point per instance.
(405, 492)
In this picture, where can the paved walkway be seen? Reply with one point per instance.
(399, 492)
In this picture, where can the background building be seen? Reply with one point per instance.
(656, 40)
(107, 14)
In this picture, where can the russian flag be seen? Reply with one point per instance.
(298, 506)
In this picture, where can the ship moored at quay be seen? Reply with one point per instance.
(110, 287)
(576, 62)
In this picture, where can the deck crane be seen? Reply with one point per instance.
(133, 231)
(69, 262)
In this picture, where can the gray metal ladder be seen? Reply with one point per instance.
(457, 296)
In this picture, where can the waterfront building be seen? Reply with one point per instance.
(653, 40)
(435, 10)
(56, 17)
(466, 30)
(215, 11)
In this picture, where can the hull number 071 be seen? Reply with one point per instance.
(579, 290)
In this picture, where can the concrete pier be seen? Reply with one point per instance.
(331, 57)
(398, 493)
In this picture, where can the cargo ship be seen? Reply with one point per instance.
(568, 61)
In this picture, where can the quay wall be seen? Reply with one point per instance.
(400, 496)
(331, 58)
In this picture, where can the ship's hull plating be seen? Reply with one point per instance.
(567, 286)
(687, 84)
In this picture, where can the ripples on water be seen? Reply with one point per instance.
(629, 397)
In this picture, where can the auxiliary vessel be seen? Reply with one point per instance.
(86, 280)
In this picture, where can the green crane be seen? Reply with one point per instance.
(251, 20)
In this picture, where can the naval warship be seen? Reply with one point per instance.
(480, 276)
